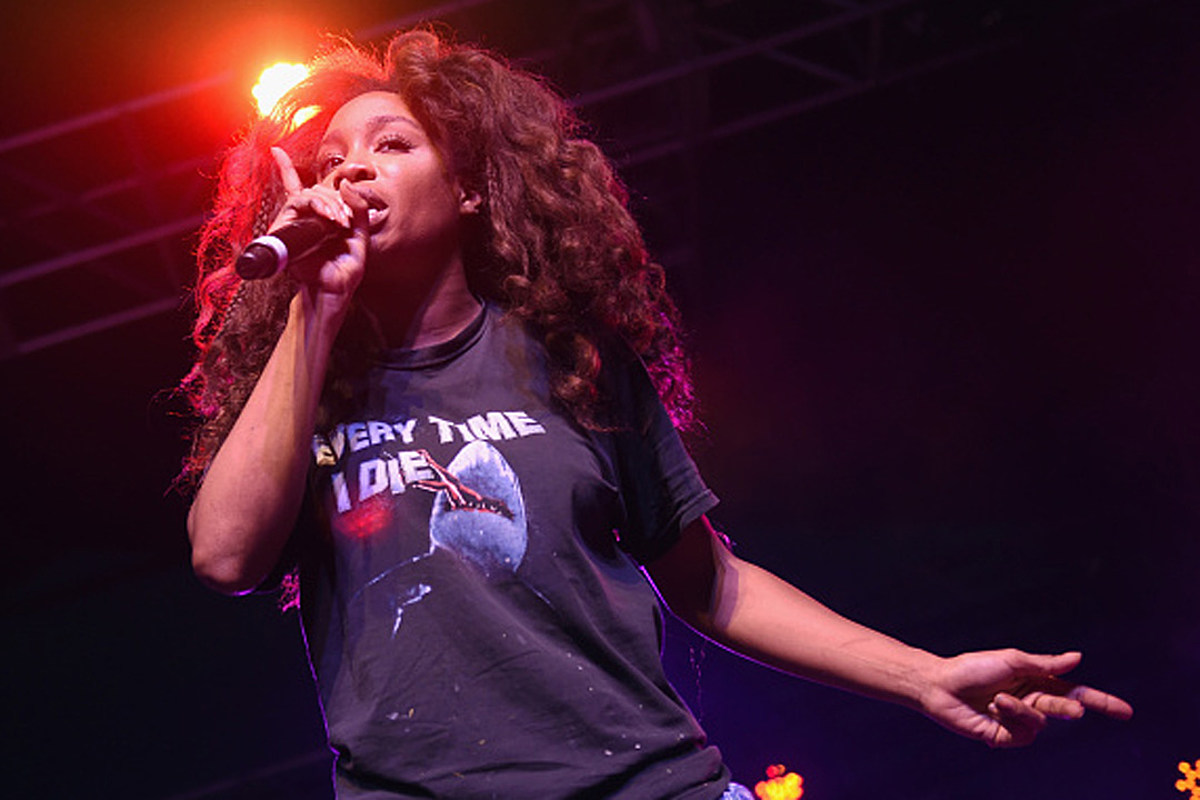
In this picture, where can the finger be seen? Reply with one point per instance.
(1102, 702)
(1087, 697)
(1054, 705)
(356, 206)
(1020, 723)
(287, 171)
(328, 205)
(1041, 664)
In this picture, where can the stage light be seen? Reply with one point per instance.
(780, 784)
(274, 83)
(1190, 782)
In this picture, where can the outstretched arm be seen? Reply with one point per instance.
(1001, 697)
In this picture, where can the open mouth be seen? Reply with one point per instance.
(375, 216)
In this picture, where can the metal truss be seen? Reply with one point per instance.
(101, 210)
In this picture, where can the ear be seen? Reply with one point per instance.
(468, 201)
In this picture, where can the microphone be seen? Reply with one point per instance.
(269, 255)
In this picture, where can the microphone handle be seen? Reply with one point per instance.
(269, 255)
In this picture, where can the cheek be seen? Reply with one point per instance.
(435, 189)
(433, 199)
(426, 209)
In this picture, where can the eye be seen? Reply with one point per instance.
(394, 143)
(327, 163)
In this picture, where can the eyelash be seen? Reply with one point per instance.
(327, 163)
(399, 141)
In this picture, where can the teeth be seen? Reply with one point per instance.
(373, 215)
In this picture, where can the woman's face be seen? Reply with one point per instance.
(375, 144)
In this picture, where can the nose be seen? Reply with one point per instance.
(353, 170)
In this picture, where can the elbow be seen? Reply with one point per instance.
(218, 566)
(223, 574)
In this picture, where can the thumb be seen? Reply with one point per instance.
(1040, 664)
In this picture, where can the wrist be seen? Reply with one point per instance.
(923, 681)
(317, 316)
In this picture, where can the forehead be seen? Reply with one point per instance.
(370, 111)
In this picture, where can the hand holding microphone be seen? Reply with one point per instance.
(317, 216)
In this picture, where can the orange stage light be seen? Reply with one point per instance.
(780, 784)
(1190, 782)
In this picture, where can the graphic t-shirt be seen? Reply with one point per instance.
(474, 611)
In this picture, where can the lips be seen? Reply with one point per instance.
(377, 207)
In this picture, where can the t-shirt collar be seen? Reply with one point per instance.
(419, 357)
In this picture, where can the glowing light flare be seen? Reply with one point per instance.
(366, 520)
(274, 82)
(1190, 782)
(780, 785)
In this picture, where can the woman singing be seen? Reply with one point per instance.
(456, 422)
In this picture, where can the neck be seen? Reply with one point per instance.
(412, 316)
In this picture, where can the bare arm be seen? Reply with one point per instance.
(247, 503)
(1000, 697)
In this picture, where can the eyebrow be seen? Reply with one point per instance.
(374, 124)
(383, 120)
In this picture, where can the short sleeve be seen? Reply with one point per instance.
(661, 489)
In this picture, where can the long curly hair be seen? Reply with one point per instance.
(555, 244)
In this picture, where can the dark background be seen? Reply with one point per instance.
(944, 344)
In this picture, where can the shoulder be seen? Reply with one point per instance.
(626, 383)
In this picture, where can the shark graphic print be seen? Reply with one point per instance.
(478, 512)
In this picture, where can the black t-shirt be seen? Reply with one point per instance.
(474, 611)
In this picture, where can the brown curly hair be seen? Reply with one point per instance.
(555, 245)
